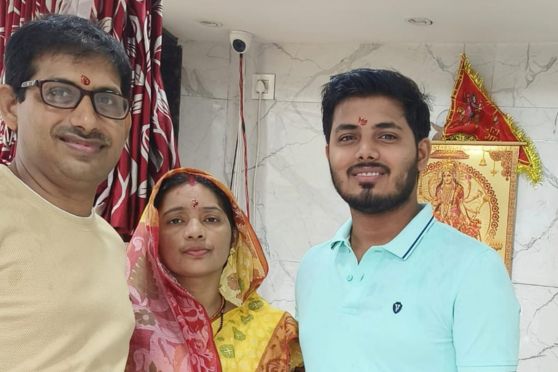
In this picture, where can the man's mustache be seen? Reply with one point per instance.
(80, 132)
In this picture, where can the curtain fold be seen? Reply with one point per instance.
(151, 147)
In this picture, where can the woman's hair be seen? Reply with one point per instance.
(179, 179)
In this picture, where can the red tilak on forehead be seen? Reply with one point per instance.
(85, 80)
(195, 203)
(362, 120)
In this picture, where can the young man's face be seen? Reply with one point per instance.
(373, 158)
(68, 145)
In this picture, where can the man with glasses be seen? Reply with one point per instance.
(63, 295)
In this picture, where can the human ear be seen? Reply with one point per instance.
(8, 104)
(423, 152)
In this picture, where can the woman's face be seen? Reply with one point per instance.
(195, 233)
(447, 177)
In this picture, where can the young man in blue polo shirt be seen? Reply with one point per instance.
(394, 289)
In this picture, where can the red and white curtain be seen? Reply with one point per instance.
(151, 148)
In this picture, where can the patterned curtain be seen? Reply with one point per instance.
(151, 148)
(14, 13)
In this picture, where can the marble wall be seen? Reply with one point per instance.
(296, 205)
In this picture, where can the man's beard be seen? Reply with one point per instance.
(369, 203)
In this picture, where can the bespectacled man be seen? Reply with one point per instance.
(64, 303)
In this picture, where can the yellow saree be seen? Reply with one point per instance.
(257, 337)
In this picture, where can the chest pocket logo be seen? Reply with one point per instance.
(397, 307)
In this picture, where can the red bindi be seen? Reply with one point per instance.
(85, 80)
(195, 203)
(362, 120)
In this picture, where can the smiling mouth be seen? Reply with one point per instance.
(83, 145)
(368, 174)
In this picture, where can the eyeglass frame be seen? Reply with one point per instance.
(83, 92)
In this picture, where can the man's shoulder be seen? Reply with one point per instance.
(451, 238)
(318, 252)
(458, 249)
(107, 229)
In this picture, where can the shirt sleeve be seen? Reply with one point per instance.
(486, 318)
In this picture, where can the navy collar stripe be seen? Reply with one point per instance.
(418, 238)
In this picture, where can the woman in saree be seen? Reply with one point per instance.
(194, 266)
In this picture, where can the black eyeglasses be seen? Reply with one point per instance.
(66, 95)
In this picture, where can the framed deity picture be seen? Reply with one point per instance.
(472, 187)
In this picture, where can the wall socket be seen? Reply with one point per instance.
(269, 84)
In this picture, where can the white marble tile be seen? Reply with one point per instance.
(538, 349)
(540, 124)
(278, 287)
(526, 75)
(301, 70)
(536, 231)
(201, 136)
(205, 69)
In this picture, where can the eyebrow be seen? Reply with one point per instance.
(388, 125)
(99, 89)
(342, 127)
(382, 125)
(180, 209)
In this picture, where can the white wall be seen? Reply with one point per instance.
(296, 203)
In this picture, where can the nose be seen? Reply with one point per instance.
(194, 230)
(367, 151)
(84, 115)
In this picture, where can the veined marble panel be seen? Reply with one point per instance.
(535, 259)
(201, 137)
(538, 348)
(205, 69)
(526, 75)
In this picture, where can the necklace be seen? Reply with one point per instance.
(219, 314)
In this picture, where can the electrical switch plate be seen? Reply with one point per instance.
(269, 84)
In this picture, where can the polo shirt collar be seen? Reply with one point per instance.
(342, 235)
(403, 244)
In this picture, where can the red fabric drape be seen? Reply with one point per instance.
(151, 148)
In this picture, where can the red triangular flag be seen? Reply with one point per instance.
(473, 116)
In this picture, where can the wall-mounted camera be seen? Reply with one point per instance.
(240, 41)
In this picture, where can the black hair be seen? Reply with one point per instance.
(55, 34)
(365, 82)
(179, 179)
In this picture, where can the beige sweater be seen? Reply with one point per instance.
(63, 296)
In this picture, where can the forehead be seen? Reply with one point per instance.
(184, 194)
(98, 69)
(374, 108)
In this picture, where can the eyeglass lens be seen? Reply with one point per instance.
(64, 95)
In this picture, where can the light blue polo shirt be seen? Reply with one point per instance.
(431, 300)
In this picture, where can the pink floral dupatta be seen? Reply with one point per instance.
(173, 331)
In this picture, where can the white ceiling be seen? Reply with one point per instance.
(308, 21)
